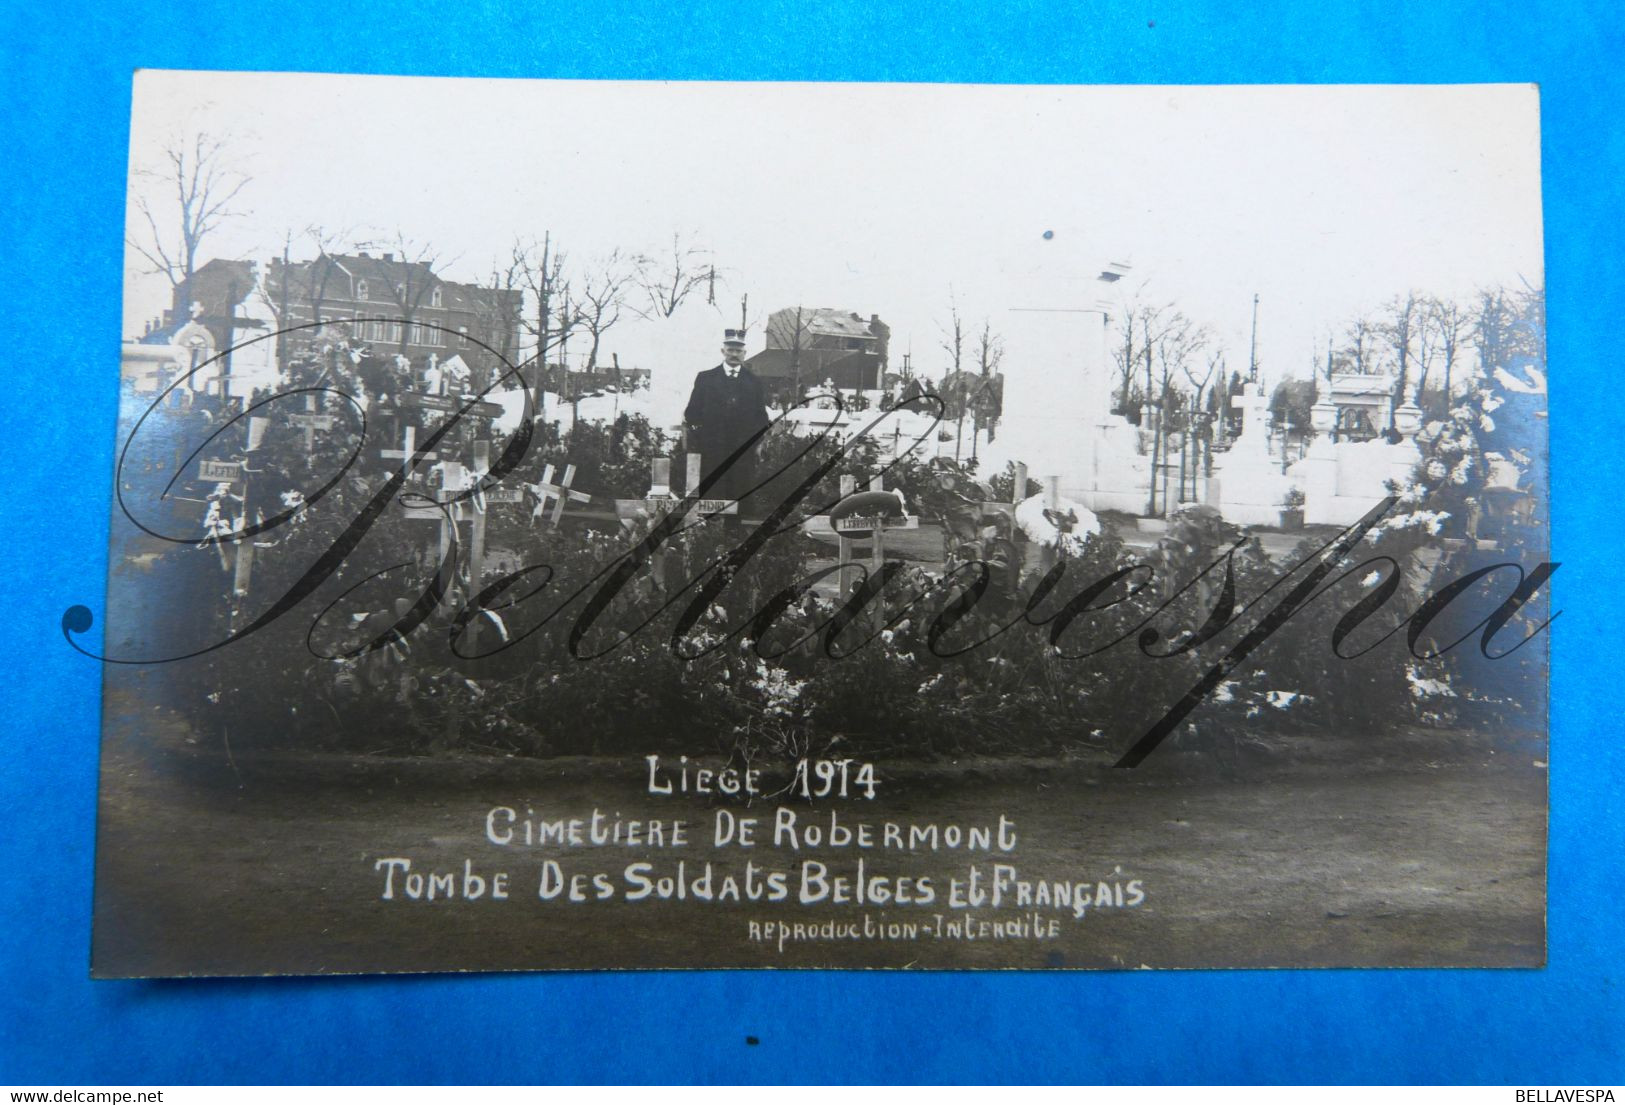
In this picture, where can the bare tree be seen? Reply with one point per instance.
(1214, 360)
(603, 295)
(1330, 367)
(539, 273)
(1509, 326)
(1531, 323)
(1427, 343)
(669, 280)
(1175, 347)
(1126, 355)
(1402, 330)
(203, 186)
(989, 349)
(1360, 350)
(1442, 329)
(1492, 329)
(566, 318)
(1155, 323)
(1449, 324)
(953, 335)
(989, 354)
(953, 344)
(500, 309)
(320, 271)
(1141, 325)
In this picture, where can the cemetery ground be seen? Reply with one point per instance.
(1421, 847)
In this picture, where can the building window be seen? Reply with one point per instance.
(361, 289)
(434, 298)
(462, 336)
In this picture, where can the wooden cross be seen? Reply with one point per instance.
(843, 543)
(560, 492)
(452, 473)
(408, 449)
(875, 527)
(311, 421)
(1047, 554)
(661, 499)
(229, 322)
(244, 544)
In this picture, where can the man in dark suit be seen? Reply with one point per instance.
(726, 410)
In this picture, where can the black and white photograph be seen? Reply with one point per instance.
(621, 525)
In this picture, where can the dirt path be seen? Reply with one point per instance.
(271, 865)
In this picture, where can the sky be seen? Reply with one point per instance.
(895, 200)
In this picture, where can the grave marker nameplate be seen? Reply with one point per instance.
(220, 471)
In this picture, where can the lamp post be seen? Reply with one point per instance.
(1252, 352)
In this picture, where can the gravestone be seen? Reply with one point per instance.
(1342, 480)
(1248, 486)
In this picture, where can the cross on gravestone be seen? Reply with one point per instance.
(1254, 408)
(560, 492)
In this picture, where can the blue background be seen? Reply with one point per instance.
(64, 102)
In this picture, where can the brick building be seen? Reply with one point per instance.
(389, 305)
(807, 346)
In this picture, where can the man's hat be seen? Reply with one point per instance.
(733, 337)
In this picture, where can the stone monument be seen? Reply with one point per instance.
(1058, 395)
(1248, 485)
(1342, 480)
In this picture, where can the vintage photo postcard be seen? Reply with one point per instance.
(621, 525)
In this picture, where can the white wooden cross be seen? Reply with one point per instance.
(559, 492)
(441, 510)
(874, 528)
(311, 420)
(408, 448)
